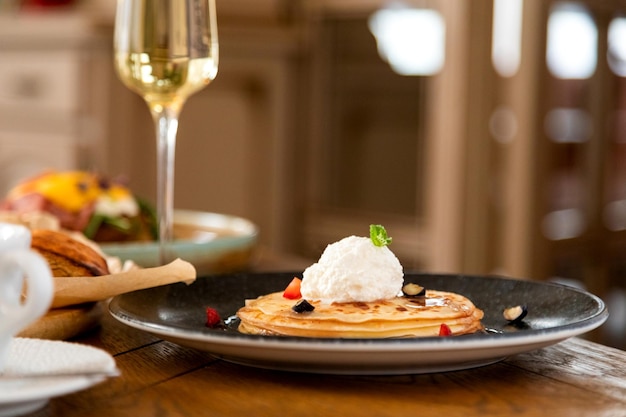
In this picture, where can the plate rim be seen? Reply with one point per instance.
(249, 235)
(56, 387)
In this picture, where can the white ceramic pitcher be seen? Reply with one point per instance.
(22, 270)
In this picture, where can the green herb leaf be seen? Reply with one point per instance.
(149, 217)
(94, 224)
(378, 234)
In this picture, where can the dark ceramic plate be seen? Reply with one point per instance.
(177, 313)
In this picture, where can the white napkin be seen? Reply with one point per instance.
(44, 357)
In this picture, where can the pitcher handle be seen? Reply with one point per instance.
(17, 267)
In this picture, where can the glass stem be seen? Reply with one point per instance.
(166, 124)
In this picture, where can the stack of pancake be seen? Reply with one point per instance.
(397, 317)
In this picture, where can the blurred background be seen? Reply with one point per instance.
(488, 136)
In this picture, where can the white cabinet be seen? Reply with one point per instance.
(43, 81)
(48, 119)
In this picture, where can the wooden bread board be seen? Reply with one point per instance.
(65, 323)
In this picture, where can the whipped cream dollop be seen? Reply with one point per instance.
(351, 270)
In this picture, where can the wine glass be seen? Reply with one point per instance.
(165, 51)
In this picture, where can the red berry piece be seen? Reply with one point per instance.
(213, 318)
(444, 330)
(292, 292)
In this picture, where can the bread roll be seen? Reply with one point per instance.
(66, 256)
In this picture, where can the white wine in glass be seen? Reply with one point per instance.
(165, 51)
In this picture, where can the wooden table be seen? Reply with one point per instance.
(158, 378)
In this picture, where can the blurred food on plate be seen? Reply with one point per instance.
(103, 209)
(104, 214)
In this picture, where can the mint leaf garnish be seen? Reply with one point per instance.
(378, 234)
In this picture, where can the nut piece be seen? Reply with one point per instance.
(515, 314)
(413, 290)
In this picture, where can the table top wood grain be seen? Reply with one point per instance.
(576, 377)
